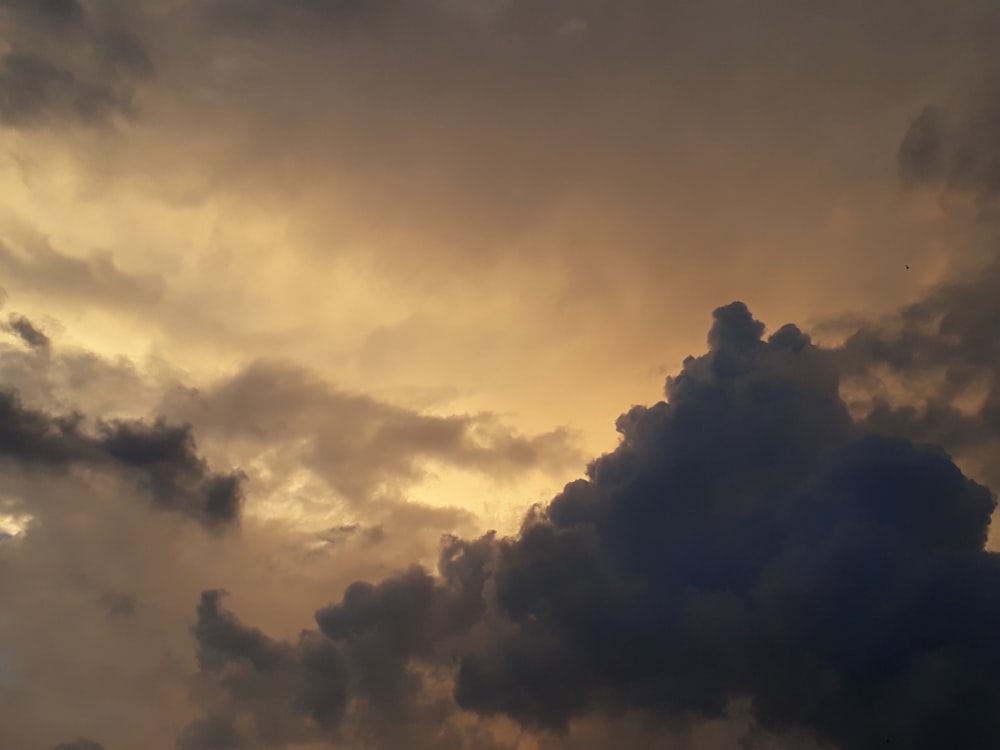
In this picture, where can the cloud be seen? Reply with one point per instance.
(364, 663)
(747, 541)
(957, 147)
(774, 547)
(163, 456)
(85, 494)
(931, 372)
(28, 333)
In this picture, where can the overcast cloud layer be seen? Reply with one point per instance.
(314, 312)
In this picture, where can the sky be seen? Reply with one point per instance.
(499, 374)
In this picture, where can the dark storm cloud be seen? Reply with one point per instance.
(178, 477)
(364, 660)
(27, 332)
(162, 456)
(746, 541)
(289, 688)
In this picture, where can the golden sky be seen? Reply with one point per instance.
(402, 263)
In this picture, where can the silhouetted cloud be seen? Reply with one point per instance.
(163, 456)
(746, 541)
(364, 662)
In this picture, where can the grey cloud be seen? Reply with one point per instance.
(67, 65)
(747, 541)
(163, 456)
(292, 690)
(956, 146)
(362, 667)
(179, 478)
(714, 601)
(28, 333)
(942, 350)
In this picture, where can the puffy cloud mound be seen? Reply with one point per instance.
(746, 542)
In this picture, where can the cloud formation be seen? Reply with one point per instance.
(376, 199)
(747, 541)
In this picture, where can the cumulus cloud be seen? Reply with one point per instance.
(747, 541)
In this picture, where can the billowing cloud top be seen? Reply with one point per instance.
(746, 541)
